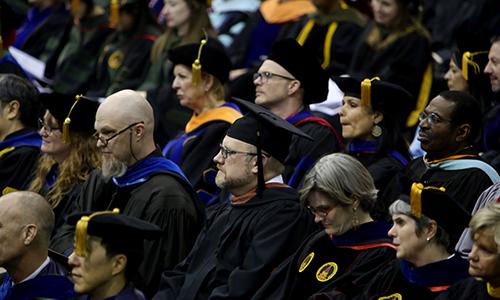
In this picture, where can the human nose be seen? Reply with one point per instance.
(175, 83)
(218, 159)
(73, 260)
(392, 232)
(473, 254)
(447, 75)
(487, 69)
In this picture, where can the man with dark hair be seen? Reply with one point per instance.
(448, 127)
(19, 140)
(26, 222)
(245, 238)
(287, 82)
(108, 252)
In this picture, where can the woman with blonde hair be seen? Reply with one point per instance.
(69, 151)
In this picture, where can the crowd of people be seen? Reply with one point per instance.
(274, 149)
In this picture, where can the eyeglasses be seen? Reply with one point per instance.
(47, 128)
(104, 141)
(225, 152)
(432, 118)
(321, 211)
(265, 76)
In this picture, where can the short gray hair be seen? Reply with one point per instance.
(485, 218)
(401, 207)
(343, 178)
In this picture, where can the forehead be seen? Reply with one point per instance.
(317, 198)
(180, 68)
(108, 116)
(272, 66)
(441, 106)
(235, 144)
(495, 50)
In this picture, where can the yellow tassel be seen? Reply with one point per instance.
(196, 66)
(304, 33)
(81, 231)
(423, 97)
(343, 5)
(366, 93)
(1, 47)
(416, 199)
(467, 59)
(115, 13)
(67, 121)
(75, 7)
(209, 3)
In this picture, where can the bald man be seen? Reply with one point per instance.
(26, 222)
(140, 182)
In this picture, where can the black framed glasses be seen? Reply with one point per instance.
(105, 141)
(321, 211)
(47, 128)
(265, 76)
(226, 152)
(432, 118)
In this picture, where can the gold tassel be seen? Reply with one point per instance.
(115, 13)
(196, 66)
(467, 59)
(75, 7)
(416, 199)
(1, 47)
(343, 5)
(209, 3)
(366, 86)
(67, 121)
(81, 231)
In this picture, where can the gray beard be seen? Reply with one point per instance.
(113, 168)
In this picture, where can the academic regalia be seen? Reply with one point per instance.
(194, 150)
(124, 61)
(384, 168)
(353, 257)
(45, 33)
(239, 247)
(50, 283)
(332, 36)
(463, 175)
(303, 153)
(19, 153)
(76, 65)
(154, 190)
(400, 280)
(128, 293)
(468, 289)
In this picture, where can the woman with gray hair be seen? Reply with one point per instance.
(351, 249)
(424, 224)
(484, 259)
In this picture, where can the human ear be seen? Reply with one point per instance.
(119, 264)
(13, 109)
(29, 233)
(377, 117)
(463, 132)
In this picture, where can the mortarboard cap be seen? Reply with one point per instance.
(388, 98)
(304, 66)
(112, 227)
(211, 55)
(436, 204)
(74, 113)
(471, 55)
(266, 131)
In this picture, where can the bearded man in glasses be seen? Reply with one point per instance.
(140, 182)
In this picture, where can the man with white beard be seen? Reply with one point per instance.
(136, 179)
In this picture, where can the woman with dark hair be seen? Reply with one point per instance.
(426, 226)
(124, 60)
(396, 47)
(372, 116)
(200, 89)
(350, 250)
(69, 152)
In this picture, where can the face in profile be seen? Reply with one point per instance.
(484, 258)
(189, 95)
(93, 274)
(493, 66)
(404, 234)
(176, 13)
(52, 142)
(335, 218)
(385, 12)
(454, 78)
(357, 120)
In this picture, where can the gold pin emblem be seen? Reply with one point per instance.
(306, 262)
(115, 59)
(326, 271)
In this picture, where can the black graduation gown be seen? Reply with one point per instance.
(304, 153)
(399, 280)
(355, 257)
(464, 185)
(468, 289)
(18, 162)
(163, 199)
(50, 283)
(239, 247)
(124, 62)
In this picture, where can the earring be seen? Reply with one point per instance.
(428, 239)
(376, 131)
(355, 221)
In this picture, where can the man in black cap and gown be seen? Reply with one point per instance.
(261, 225)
